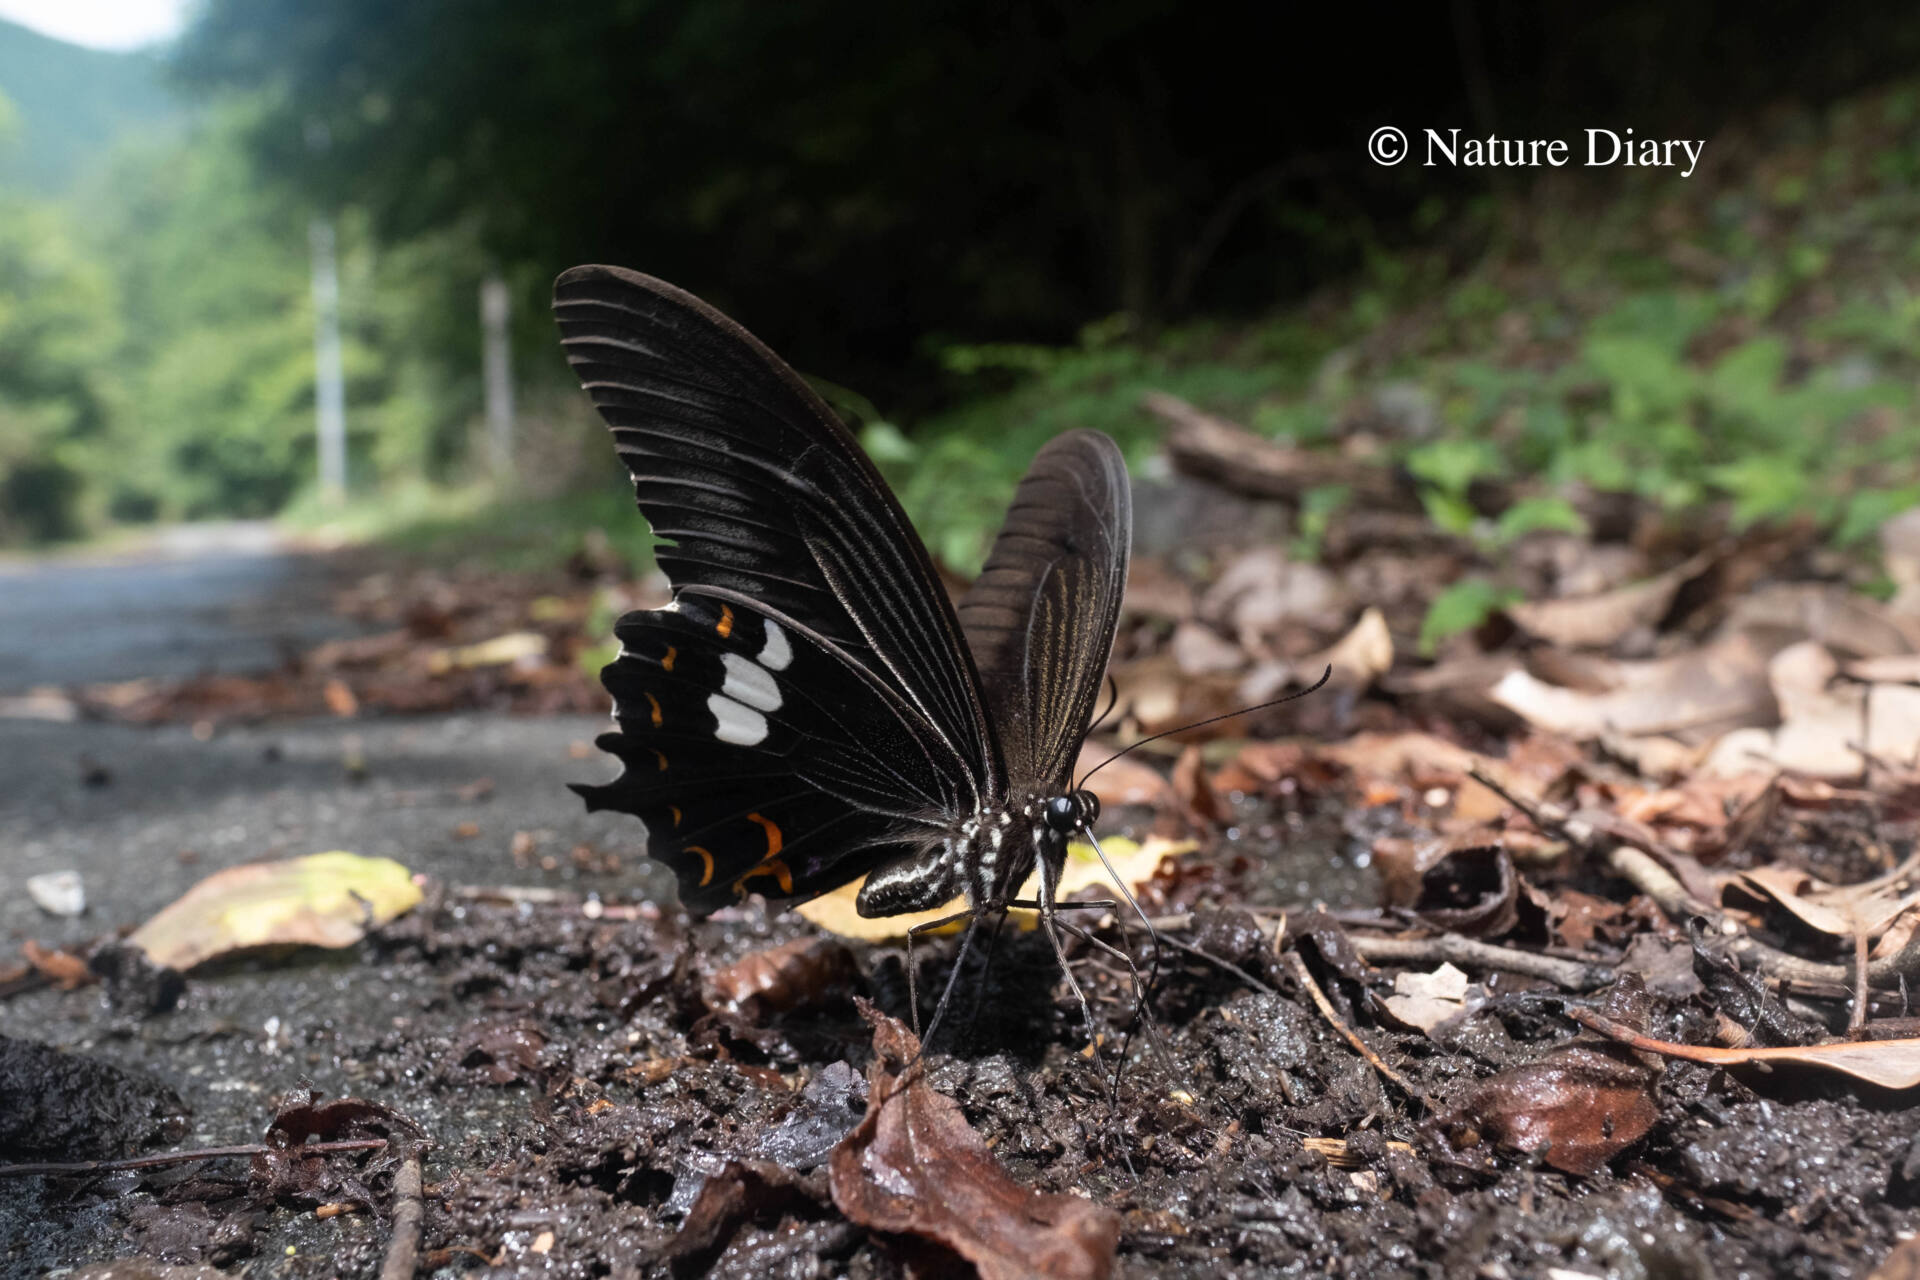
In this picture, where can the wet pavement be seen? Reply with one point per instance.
(230, 597)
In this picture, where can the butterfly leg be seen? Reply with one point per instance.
(986, 973)
(913, 986)
(1049, 924)
(1144, 1012)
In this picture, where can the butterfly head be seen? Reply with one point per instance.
(1070, 813)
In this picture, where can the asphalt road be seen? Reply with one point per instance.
(143, 813)
(228, 597)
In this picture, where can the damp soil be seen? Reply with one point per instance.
(582, 1079)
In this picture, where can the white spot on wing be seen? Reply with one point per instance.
(742, 726)
(778, 652)
(750, 683)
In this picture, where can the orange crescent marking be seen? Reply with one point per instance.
(666, 663)
(771, 867)
(725, 625)
(706, 876)
(773, 835)
(676, 818)
(662, 757)
(655, 704)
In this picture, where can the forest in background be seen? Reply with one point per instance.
(981, 226)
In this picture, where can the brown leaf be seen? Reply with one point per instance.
(1464, 884)
(1128, 780)
(793, 975)
(1577, 1108)
(1719, 685)
(915, 1167)
(1195, 792)
(62, 968)
(339, 699)
(1842, 911)
(741, 1192)
(1358, 658)
(1891, 1064)
(1602, 620)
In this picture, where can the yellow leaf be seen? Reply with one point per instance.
(322, 900)
(1134, 862)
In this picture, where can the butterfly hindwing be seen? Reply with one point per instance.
(758, 758)
(1040, 619)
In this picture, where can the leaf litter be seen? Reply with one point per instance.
(1607, 907)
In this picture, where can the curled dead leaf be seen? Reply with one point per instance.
(793, 975)
(915, 1167)
(1463, 884)
(1601, 620)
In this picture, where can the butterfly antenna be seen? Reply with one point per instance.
(1197, 724)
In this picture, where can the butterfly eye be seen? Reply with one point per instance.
(1062, 814)
(1088, 805)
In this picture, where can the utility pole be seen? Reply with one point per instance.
(329, 380)
(496, 367)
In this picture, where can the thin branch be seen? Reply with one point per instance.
(403, 1249)
(1352, 1037)
(186, 1157)
(1454, 949)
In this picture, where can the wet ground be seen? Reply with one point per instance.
(196, 598)
(583, 1079)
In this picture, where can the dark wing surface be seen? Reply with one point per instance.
(765, 499)
(1040, 618)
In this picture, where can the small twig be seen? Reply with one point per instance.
(186, 1157)
(1352, 1037)
(1572, 974)
(403, 1249)
(1532, 810)
(1452, 948)
(1862, 988)
(1646, 874)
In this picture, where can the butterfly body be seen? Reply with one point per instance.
(811, 708)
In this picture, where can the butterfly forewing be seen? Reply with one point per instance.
(1040, 618)
(809, 709)
(765, 498)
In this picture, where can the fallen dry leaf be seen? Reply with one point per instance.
(1359, 657)
(1123, 781)
(1134, 862)
(1195, 791)
(62, 968)
(1577, 1108)
(1842, 911)
(1422, 1001)
(1823, 722)
(1902, 1264)
(322, 900)
(1721, 685)
(915, 1167)
(1600, 621)
(794, 974)
(515, 646)
(1891, 1064)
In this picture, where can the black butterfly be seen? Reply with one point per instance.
(811, 708)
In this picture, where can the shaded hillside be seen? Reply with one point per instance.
(69, 105)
